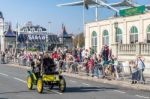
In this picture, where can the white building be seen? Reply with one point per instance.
(1, 32)
(126, 36)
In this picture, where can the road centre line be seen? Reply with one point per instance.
(20, 80)
(86, 84)
(3, 74)
(119, 91)
(142, 96)
(73, 81)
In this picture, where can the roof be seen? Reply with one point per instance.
(1, 15)
(29, 28)
(65, 33)
(10, 33)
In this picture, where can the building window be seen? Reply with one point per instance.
(26, 30)
(105, 37)
(94, 41)
(148, 34)
(32, 30)
(133, 34)
(39, 30)
(118, 35)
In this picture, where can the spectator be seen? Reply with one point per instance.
(86, 54)
(96, 66)
(105, 54)
(91, 66)
(69, 62)
(54, 55)
(116, 63)
(80, 54)
(134, 71)
(91, 51)
(141, 67)
(3, 58)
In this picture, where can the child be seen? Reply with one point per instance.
(134, 71)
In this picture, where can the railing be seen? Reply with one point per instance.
(129, 49)
(145, 49)
(133, 49)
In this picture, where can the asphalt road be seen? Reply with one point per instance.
(13, 86)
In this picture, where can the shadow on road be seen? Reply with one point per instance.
(13, 92)
(3, 98)
(87, 89)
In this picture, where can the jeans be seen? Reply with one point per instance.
(97, 70)
(141, 75)
(2, 60)
(135, 76)
(116, 72)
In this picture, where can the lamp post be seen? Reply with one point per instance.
(49, 23)
(116, 27)
(17, 33)
(48, 33)
(78, 45)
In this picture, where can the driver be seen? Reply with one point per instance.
(48, 64)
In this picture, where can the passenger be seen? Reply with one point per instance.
(48, 64)
(36, 66)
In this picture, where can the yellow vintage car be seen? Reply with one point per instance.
(46, 80)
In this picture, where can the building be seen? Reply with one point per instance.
(10, 39)
(66, 38)
(127, 35)
(53, 41)
(32, 37)
(2, 32)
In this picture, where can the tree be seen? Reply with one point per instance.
(79, 39)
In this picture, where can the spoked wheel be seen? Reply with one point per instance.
(62, 85)
(29, 82)
(39, 85)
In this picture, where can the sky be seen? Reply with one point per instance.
(40, 12)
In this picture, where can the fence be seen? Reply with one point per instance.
(133, 49)
(124, 72)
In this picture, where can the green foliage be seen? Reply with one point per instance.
(32, 49)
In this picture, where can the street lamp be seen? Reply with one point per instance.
(116, 28)
(49, 23)
(78, 45)
(17, 34)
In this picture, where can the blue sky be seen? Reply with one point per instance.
(42, 11)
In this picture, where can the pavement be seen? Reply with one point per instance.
(13, 86)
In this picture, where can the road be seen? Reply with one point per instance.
(13, 86)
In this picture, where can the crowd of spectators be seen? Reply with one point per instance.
(98, 65)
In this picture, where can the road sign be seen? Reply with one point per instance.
(132, 11)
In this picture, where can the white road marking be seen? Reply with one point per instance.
(142, 97)
(86, 84)
(119, 91)
(73, 81)
(3, 74)
(56, 92)
(20, 80)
